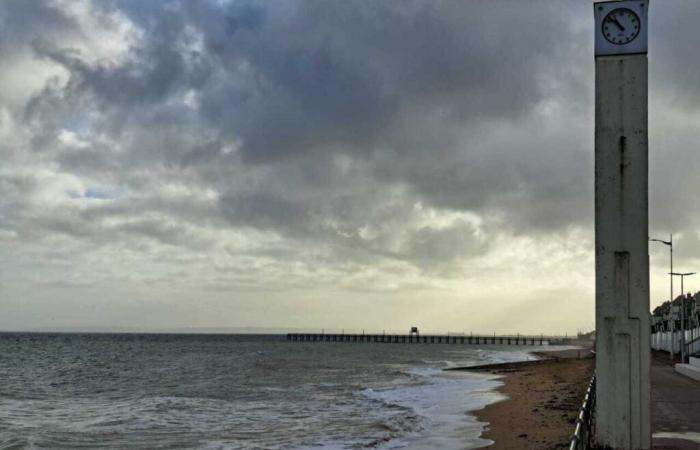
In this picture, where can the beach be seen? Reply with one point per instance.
(543, 399)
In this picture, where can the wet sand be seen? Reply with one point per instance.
(543, 401)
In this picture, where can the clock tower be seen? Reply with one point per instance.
(621, 226)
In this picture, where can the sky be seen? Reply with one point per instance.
(322, 164)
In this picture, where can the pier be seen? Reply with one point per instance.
(426, 339)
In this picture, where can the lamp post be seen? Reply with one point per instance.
(670, 299)
(670, 245)
(682, 275)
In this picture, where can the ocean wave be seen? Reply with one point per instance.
(229, 394)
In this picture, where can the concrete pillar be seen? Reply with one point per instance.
(621, 235)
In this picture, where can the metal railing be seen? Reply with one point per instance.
(585, 422)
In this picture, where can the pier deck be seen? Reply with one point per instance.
(423, 339)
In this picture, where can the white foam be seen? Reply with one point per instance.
(442, 401)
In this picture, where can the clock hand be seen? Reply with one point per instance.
(617, 22)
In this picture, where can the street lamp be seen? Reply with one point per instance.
(682, 275)
(670, 245)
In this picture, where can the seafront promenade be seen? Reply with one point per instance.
(675, 406)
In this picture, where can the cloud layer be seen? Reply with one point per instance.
(298, 164)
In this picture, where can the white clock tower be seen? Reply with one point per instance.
(621, 226)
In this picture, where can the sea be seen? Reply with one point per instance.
(193, 391)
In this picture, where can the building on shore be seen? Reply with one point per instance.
(668, 315)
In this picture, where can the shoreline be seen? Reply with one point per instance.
(541, 400)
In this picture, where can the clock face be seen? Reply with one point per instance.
(621, 26)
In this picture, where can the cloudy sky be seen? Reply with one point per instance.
(321, 164)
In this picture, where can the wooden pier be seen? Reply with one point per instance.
(422, 339)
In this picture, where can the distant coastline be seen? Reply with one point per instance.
(137, 330)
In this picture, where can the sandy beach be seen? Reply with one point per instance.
(544, 397)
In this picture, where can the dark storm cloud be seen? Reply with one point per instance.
(674, 51)
(263, 211)
(22, 21)
(415, 81)
(359, 76)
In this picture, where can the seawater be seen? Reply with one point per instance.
(155, 391)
